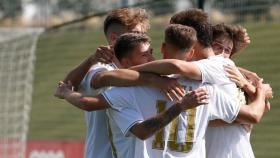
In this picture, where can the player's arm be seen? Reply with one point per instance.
(253, 112)
(78, 100)
(251, 76)
(235, 76)
(171, 66)
(123, 78)
(218, 123)
(75, 76)
(126, 77)
(147, 128)
(229, 109)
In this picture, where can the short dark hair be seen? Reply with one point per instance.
(222, 30)
(127, 17)
(180, 36)
(127, 42)
(234, 33)
(197, 19)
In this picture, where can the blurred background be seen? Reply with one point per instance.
(75, 31)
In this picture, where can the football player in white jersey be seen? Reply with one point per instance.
(122, 45)
(224, 140)
(117, 22)
(209, 70)
(100, 76)
(134, 114)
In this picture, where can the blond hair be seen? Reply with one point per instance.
(127, 17)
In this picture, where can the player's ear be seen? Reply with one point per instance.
(113, 37)
(190, 54)
(125, 62)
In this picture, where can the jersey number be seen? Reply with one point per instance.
(159, 143)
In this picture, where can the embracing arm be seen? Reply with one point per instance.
(78, 100)
(171, 66)
(103, 54)
(253, 112)
(76, 75)
(218, 123)
(92, 103)
(150, 126)
(248, 114)
(125, 77)
(238, 78)
(251, 76)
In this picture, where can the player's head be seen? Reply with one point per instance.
(133, 49)
(124, 20)
(198, 20)
(222, 40)
(226, 39)
(178, 42)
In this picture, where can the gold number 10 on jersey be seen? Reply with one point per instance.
(159, 143)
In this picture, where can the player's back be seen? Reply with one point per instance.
(229, 141)
(226, 141)
(179, 136)
(183, 137)
(130, 105)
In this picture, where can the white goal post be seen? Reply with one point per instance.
(17, 56)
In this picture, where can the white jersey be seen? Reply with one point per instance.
(213, 72)
(183, 137)
(97, 140)
(227, 141)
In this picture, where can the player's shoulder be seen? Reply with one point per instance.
(100, 65)
(221, 58)
(96, 69)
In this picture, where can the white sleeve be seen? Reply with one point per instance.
(120, 97)
(93, 71)
(125, 118)
(213, 72)
(222, 106)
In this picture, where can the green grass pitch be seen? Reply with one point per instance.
(58, 52)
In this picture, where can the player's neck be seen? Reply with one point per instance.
(206, 53)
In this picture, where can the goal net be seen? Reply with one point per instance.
(17, 56)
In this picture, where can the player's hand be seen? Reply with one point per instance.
(246, 39)
(267, 106)
(104, 54)
(194, 98)
(263, 90)
(235, 76)
(62, 89)
(171, 88)
(243, 41)
(268, 91)
(249, 75)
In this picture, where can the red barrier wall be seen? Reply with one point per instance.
(55, 149)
